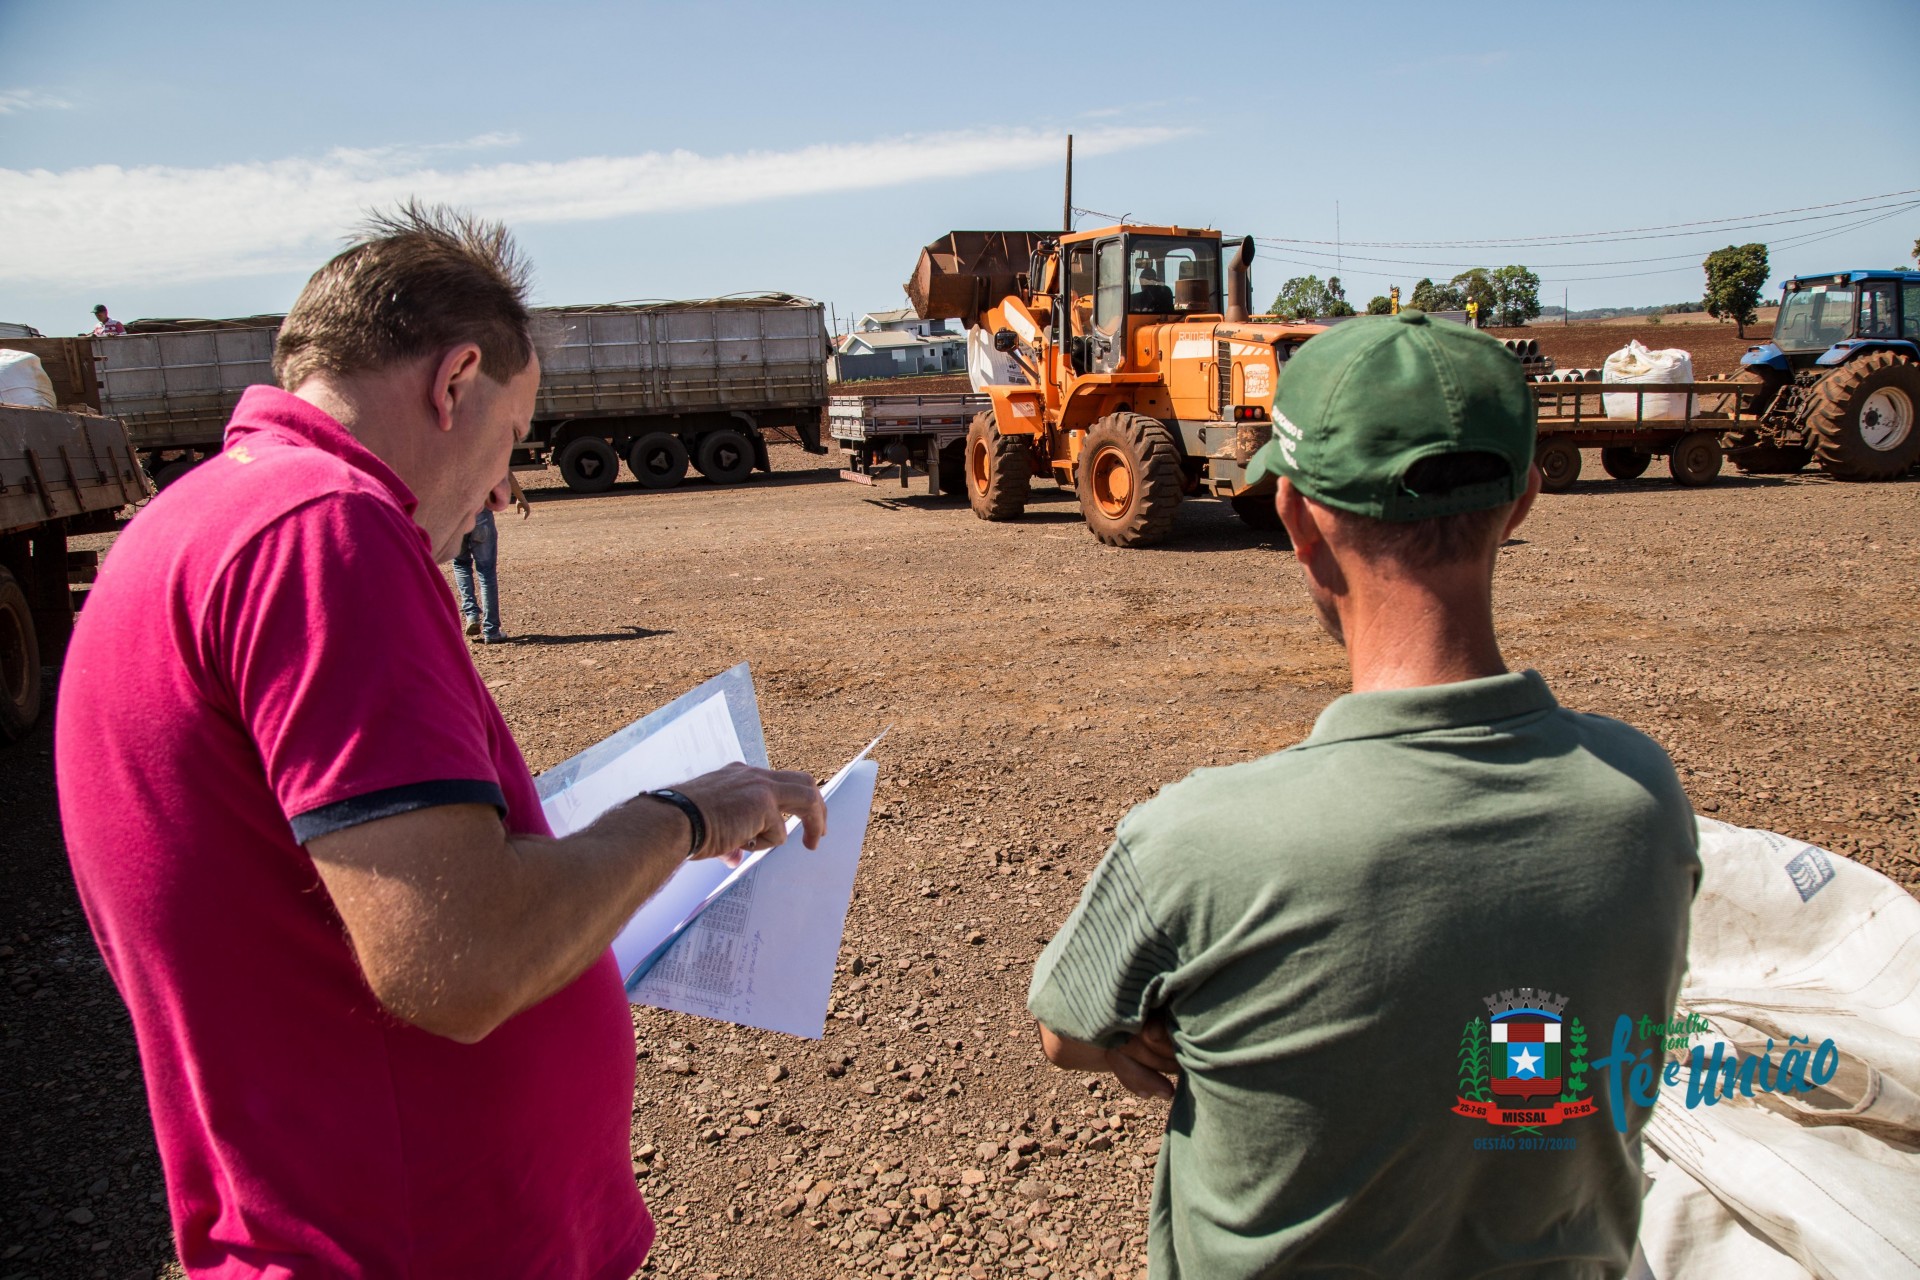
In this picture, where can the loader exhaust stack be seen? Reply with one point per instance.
(1240, 283)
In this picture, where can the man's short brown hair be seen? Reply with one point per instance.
(1438, 540)
(416, 282)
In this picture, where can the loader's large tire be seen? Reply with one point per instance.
(1861, 419)
(19, 662)
(1256, 511)
(999, 470)
(1129, 479)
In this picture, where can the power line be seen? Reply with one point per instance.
(1573, 237)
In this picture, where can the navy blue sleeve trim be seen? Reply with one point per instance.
(342, 814)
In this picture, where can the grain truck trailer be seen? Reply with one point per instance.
(660, 386)
(61, 474)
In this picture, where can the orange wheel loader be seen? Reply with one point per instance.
(1127, 370)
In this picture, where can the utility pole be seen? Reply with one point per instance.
(1066, 203)
(1336, 239)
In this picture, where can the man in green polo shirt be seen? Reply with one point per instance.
(1290, 948)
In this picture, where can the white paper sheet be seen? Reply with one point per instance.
(763, 954)
(760, 951)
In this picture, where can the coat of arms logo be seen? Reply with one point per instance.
(1524, 1065)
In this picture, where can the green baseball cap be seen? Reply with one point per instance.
(1361, 403)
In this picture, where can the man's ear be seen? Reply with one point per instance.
(454, 375)
(1292, 506)
(1525, 504)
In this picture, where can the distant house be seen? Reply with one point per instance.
(897, 344)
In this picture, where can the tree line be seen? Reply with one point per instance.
(1510, 295)
(1507, 295)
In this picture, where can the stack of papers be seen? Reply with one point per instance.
(756, 944)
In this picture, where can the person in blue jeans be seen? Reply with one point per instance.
(479, 553)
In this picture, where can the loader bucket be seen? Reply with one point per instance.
(963, 273)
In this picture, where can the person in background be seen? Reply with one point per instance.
(105, 326)
(1289, 948)
(480, 553)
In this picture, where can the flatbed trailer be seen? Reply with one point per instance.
(1572, 416)
(61, 474)
(883, 436)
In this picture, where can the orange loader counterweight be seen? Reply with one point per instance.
(1128, 370)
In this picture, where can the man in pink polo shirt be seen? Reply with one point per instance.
(381, 1028)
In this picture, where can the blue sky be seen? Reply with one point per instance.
(200, 159)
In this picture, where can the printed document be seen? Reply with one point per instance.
(754, 945)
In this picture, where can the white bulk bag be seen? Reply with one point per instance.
(1634, 363)
(24, 381)
(1791, 940)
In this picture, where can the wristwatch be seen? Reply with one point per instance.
(695, 819)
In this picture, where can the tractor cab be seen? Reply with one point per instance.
(1827, 320)
(1118, 279)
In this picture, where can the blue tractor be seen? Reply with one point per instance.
(1840, 382)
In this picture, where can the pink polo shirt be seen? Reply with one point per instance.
(271, 653)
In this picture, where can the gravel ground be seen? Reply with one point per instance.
(1039, 684)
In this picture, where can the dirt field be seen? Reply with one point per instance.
(1714, 347)
(1039, 684)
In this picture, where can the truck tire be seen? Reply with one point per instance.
(1695, 459)
(1623, 463)
(19, 662)
(1256, 511)
(953, 466)
(1129, 478)
(658, 460)
(589, 465)
(999, 470)
(1861, 418)
(173, 471)
(1559, 463)
(724, 456)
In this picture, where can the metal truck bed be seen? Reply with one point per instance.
(55, 466)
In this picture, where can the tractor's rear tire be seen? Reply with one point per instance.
(589, 465)
(1695, 459)
(1129, 478)
(724, 456)
(953, 466)
(1770, 459)
(1861, 418)
(999, 470)
(19, 662)
(1623, 463)
(1758, 384)
(1559, 463)
(658, 460)
(1256, 511)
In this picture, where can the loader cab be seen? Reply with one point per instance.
(1118, 279)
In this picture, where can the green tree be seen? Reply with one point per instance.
(1337, 304)
(1916, 252)
(1476, 286)
(1735, 277)
(1516, 295)
(1379, 305)
(1302, 298)
(1429, 296)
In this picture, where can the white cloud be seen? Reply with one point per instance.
(112, 225)
(22, 99)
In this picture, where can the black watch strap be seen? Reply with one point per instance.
(695, 819)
